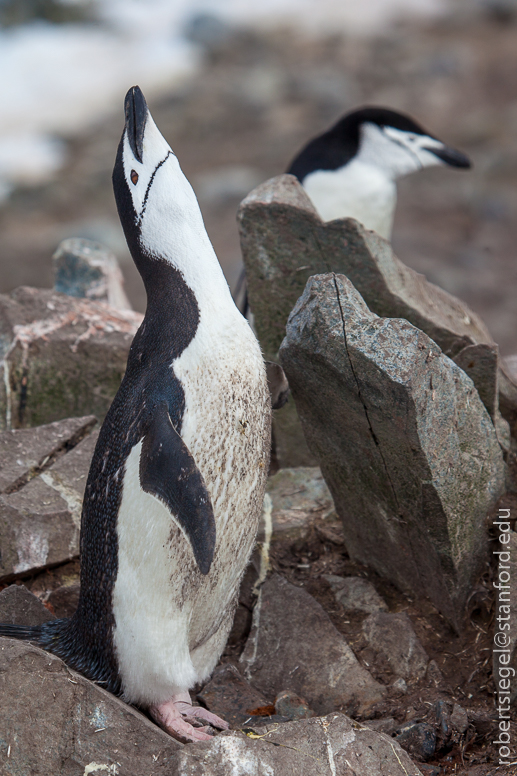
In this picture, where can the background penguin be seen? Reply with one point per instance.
(351, 170)
(177, 480)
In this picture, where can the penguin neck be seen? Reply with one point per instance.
(357, 190)
(187, 269)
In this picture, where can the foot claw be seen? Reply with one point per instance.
(185, 722)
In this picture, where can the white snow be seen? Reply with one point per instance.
(58, 79)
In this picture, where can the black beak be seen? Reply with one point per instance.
(451, 157)
(136, 110)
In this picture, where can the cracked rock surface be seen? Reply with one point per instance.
(60, 356)
(284, 242)
(43, 473)
(406, 446)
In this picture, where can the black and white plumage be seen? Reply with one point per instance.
(177, 480)
(351, 171)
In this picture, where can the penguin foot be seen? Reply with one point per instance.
(183, 721)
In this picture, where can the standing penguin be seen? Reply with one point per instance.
(351, 171)
(177, 480)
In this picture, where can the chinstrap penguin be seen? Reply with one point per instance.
(351, 171)
(177, 480)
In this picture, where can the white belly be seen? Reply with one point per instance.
(166, 611)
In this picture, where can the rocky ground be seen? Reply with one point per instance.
(257, 99)
(401, 671)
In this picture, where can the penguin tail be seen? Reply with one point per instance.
(46, 635)
(24, 632)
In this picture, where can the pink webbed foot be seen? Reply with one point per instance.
(183, 721)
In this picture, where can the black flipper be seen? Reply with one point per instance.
(169, 472)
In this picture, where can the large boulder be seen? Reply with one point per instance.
(57, 722)
(60, 356)
(284, 242)
(404, 442)
(334, 745)
(43, 474)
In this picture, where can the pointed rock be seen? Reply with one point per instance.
(405, 445)
(284, 242)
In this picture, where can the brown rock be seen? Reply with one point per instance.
(60, 723)
(25, 452)
(64, 599)
(406, 447)
(299, 497)
(356, 594)
(293, 645)
(40, 521)
(393, 636)
(231, 697)
(20, 607)
(61, 356)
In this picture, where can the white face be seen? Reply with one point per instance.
(159, 190)
(397, 152)
(163, 214)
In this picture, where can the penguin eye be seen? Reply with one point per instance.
(134, 177)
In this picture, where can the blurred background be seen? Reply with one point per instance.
(237, 88)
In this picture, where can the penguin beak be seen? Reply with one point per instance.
(136, 110)
(450, 156)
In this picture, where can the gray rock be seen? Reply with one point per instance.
(434, 676)
(84, 268)
(356, 594)
(459, 719)
(40, 516)
(406, 447)
(60, 723)
(320, 746)
(290, 705)
(231, 697)
(59, 356)
(293, 645)
(386, 725)
(505, 639)
(299, 498)
(18, 606)
(284, 242)
(25, 452)
(418, 739)
(393, 636)
(400, 685)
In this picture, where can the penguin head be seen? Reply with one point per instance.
(157, 206)
(390, 141)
